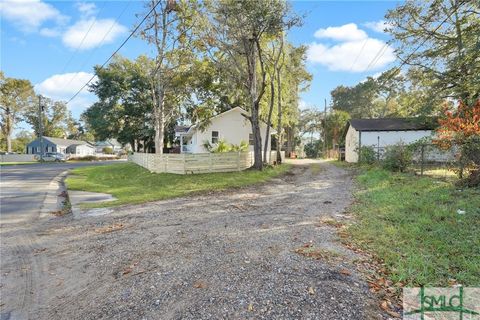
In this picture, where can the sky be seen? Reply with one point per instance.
(55, 44)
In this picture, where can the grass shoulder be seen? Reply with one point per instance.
(413, 224)
(132, 184)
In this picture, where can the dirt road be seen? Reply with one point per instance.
(258, 252)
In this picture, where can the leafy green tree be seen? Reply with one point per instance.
(440, 38)
(334, 125)
(16, 95)
(170, 29)
(55, 118)
(123, 110)
(22, 138)
(358, 101)
(239, 29)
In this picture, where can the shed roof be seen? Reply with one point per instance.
(392, 124)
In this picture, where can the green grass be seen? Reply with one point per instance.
(412, 224)
(132, 184)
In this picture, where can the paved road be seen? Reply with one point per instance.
(26, 191)
(24, 188)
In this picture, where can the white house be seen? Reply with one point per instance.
(381, 133)
(230, 126)
(81, 150)
(109, 143)
(75, 147)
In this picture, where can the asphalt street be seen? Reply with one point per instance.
(23, 188)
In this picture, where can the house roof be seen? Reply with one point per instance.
(64, 142)
(108, 142)
(391, 124)
(182, 129)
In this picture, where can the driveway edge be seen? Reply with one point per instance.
(56, 200)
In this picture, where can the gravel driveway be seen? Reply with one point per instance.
(253, 253)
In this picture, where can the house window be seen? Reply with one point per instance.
(214, 136)
(250, 139)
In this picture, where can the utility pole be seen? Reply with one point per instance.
(40, 125)
(325, 129)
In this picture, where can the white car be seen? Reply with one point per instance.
(54, 156)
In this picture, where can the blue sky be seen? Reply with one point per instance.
(45, 42)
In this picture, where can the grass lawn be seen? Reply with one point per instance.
(412, 224)
(130, 183)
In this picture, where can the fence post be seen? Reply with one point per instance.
(184, 165)
(422, 159)
(210, 162)
(378, 149)
(238, 161)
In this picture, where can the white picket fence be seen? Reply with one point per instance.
(188, 163)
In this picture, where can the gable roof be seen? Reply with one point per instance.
(64, 142)
(108, 142)
(391, 124)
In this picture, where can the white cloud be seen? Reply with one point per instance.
(378, 26)
(103, 31)
(86, 8)
(63, 86)
(29, 15)
(347, 32)
(353, 53)
(49, 32)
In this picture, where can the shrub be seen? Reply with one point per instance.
(107, 150)
(243, 146)
(367, 155)
(312, 149)
(397, 157)
(470, 158)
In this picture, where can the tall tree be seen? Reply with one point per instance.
(123, 110)
(56, 118)
(15, 96)
(441, 39)
(240, 28)
(169, 28)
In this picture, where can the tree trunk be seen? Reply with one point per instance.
(159, 122)
(279, 124)
(9, 142)
(269, 120)
(8, 130)
(289, 141)
(254, 119)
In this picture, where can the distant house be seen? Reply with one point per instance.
(381, 133)
(230, 126)
(110, 143)
(66, 146)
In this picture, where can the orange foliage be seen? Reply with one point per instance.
(456, 126)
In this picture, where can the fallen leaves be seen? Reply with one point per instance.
(311, 291)
(345, 272)
(199, 284)
(250, 307)
(308, 250)
(112, 228)
(329, 222)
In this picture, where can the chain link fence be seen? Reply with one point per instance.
(428, 159)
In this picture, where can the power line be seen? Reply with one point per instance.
(99, 44)
(84, 37)
(116, 51)
(423, 42)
